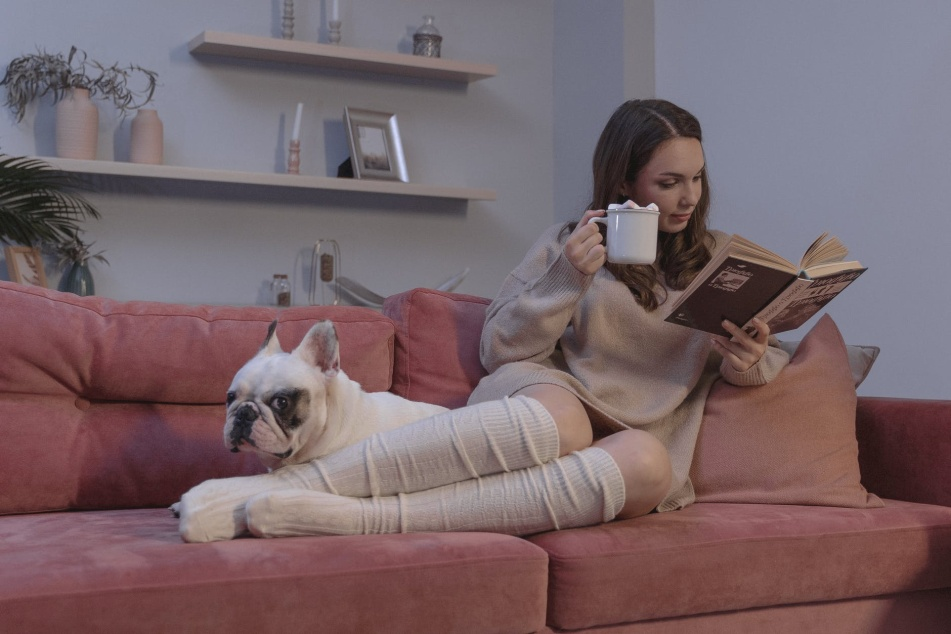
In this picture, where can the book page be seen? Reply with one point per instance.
(825, 250)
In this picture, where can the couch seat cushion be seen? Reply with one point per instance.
(718, 557)
(128, 571)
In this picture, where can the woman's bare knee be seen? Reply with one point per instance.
(645, 467)
(574, 426)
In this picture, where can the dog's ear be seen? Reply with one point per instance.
(271, 345)
(320, 348)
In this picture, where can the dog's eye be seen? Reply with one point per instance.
(230, 399)
(279, 403)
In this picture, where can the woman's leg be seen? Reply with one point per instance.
(622, 476)
(580, 489)
(645, 467)
(569, 414)
(642, 459)
(482, 439)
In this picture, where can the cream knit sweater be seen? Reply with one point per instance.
(552, 324)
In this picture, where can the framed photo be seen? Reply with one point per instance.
(25, 265)
(375, 147)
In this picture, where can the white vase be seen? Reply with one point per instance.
(146, 145)
(77, 126)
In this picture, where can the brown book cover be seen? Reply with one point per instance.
(743, 280)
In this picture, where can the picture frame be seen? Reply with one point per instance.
(25, 265)
(376, 150)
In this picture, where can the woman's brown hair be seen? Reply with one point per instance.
(629, 140)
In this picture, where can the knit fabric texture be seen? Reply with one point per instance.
(552, 324)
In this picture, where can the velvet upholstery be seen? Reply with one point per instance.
(726, 557)
(128, 571)
(437, 364)
(107, 404)
(905, 448)
(791, 441)
(910, 612)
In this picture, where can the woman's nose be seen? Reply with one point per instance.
(691, 196)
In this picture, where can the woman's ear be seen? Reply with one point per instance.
(626, 190)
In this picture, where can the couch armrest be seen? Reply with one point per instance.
(905, 448)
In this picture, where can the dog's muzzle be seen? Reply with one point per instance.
(244, 418)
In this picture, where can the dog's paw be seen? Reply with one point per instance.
(208, 520)
(214, 510)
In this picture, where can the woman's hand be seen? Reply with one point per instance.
(743, 350)
(584, 248)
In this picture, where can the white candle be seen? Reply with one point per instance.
(296, 134)
(335, 11)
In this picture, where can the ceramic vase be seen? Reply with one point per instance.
(146, 145)
(79, 280)
(77, 126)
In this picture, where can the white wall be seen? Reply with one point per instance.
(603, 55)
(832, 116)
(220, 244)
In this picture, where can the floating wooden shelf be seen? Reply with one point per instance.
(171, 172)
(337, 57)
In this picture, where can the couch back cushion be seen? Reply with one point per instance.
(107, 404)
(437, 344)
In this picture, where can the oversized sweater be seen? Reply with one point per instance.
(552, 324)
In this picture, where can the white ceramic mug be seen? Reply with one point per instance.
(631, 233)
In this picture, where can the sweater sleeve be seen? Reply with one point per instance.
(534, 307)
(763, 371)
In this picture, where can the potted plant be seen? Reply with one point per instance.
(72, 80)
(40, 206)
(74, 256)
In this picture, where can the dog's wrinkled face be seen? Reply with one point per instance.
(278, 399)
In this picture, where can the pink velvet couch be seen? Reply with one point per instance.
(110, 411)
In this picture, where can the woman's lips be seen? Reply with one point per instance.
(679, 218)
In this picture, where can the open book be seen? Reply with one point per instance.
(744, 280)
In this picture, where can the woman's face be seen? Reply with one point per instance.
(671, 180)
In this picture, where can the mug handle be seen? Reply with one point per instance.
(603, 228)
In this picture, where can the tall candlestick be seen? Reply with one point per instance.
(293, 158)
(335, 10)
(295, 136)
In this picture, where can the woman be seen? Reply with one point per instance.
(587, 339)
(593, 403)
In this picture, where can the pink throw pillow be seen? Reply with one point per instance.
(791, 441)
(437, 345)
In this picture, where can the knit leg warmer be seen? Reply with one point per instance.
(482, 439)
(580, 489)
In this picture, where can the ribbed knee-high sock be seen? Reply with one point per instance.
(481, 439)
(491, 437)
(580, 489)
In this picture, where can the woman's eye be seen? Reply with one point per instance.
(668, 184)
(279, 403)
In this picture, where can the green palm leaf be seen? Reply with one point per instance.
(39, 204)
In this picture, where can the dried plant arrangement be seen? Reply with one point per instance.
(32, 76)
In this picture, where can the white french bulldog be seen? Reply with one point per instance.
(289, 408)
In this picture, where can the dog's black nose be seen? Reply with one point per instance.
(245, 414)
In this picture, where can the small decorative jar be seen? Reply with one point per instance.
(281, 290)
(427, 41)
